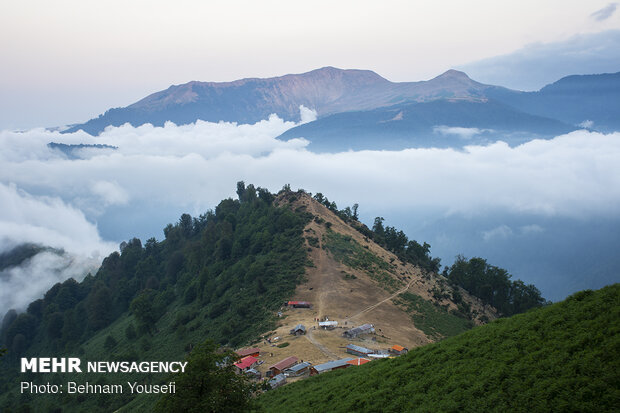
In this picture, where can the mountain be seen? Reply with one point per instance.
(560, 357)
(573, 99)
(440, 123)
(327, 90)
(224, 276)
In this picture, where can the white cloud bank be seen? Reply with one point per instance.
(191, 167)
(461, 132)
(49, 222)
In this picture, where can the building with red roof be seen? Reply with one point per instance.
(246, 363)
(358, 362)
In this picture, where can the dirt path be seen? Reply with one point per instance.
(372, 307)
(320, 346)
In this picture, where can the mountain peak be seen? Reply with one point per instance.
(454, 74)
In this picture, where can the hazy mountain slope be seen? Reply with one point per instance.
(561, 357)
(426, 124)
(573, 100)
(354, 281)
(224, 276)
(326, 90)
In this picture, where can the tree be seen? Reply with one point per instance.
(142, 309)
(110, 342)
(100, 307)
(209, 384)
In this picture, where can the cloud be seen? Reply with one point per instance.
(501, 232)
(158, 173)
(463, 133)
(23, 284)
(49, 222)
(538, 64)
(531, 229)
(604, 13)
(587, 124)
(307, 115)
(110, 192)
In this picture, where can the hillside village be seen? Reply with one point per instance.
(343, 316)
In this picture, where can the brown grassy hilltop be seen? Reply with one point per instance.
(351, 294)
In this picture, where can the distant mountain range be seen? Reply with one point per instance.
(358, 109)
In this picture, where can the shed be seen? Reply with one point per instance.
(358, 362)
(244, 352)
(398, 350)
(253, 373)
(298, 369)
(329, 366)
(299, 304)
(358, 351)
(277, 381)
(246, 363)
(298, 330)
(328, 325)
(282, 365)
(357, 331)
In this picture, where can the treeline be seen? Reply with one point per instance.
(493, 285)
(221, 276)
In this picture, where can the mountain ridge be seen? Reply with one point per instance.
(326, 90)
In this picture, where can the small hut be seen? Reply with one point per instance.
(298, 330)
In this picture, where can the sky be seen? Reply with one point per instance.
(67, 61)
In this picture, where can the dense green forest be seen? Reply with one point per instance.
(562, 357)
(220, 276)
(493, 285)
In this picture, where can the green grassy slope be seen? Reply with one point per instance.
(563, 357)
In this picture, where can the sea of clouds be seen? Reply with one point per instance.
(87, 203)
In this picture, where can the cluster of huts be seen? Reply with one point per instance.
(278, 373)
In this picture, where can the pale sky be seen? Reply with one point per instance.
(66, 61)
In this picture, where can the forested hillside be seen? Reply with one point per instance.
(562, 357)
(220, 276)
(224, 276)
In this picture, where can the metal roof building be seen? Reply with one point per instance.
(298, 369)
(330, 365)
(245, 363)
(358, 362)
(283, 364)
(298, 330)
(277, 381)
(328, 324)
(363, 329)
(398, 350)
(254, 352)
(358, 351)
(299, 304)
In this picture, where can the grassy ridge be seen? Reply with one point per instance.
(563, 357)
(346, 250)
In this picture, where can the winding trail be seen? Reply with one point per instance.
(372, 307)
